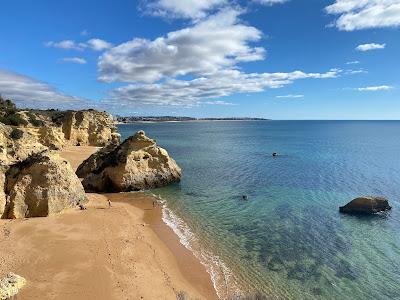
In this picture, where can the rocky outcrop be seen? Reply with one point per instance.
(41, 185)
(94, 161)
(10, 285)
(138, 163)
(17, 144)
(366, 205)
(2, 189)
(52, 137)
(89, 127)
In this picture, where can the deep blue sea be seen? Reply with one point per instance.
(288, 241)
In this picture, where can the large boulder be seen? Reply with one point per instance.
(89, 127)
(366, 205)
(94, 161)
(41, 185)
(52, 137)
(138, 163)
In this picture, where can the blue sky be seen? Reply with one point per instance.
(333, 59)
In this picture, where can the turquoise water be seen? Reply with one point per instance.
(288, 241)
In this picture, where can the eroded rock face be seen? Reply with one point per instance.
(366, 205)
(41, 185)
(138, 163)
(89, 127)
(10, 285)
(94, 161)
(2, 189)
(52, 137)
(17, 144)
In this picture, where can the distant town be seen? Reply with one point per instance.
(134, 119)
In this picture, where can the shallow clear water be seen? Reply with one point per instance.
(288, 240)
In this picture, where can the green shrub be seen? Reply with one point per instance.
(16, 134)
(15, 120)
(35, 122)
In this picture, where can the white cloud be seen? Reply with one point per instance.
(26, 91)
(218, 102)
(190, 9)
(354, 62)
(84, 32)
(364, 14)
(98, 44)
(215, 43)
(359, 71)
(291, 96)
(66, 44)
(270, 2)
(371, 46)
(374, 88)
(217, 85)
(75, 60)
(94, 44)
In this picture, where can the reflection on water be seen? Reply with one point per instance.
(288, 240)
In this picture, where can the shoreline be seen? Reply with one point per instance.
(126, 252)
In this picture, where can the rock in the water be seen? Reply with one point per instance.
(41, 185)
(10, 285)
(366, 205)
(138, 163)
(52, 137)
(89, 127)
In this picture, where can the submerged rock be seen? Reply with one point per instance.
(366, 205)
(138, 163)
(41, 185)
(10, 285)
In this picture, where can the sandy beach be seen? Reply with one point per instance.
(122, 252)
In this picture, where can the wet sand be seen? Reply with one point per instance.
(122, 252)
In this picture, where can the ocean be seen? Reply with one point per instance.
(288, 240)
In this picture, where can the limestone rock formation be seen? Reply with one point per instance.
(366, 205)
(10, 285)
(89, 127)
(17, 144)
(41, 185)
(52, 137)
(2, 189)
(94, 161)
(138, 163)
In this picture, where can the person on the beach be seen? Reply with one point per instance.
(109, 203)
(154, 203)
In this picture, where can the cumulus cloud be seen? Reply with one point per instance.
(28, 92)
(374, 88)
(75, 60)
(220, 84)
(364, 14)
(218, 42)
(98, 44)
(354, 62)
(368, 47)
(189, 9)
(291, 96)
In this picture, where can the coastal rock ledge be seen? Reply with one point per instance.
(136, 164)
(366, 205)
